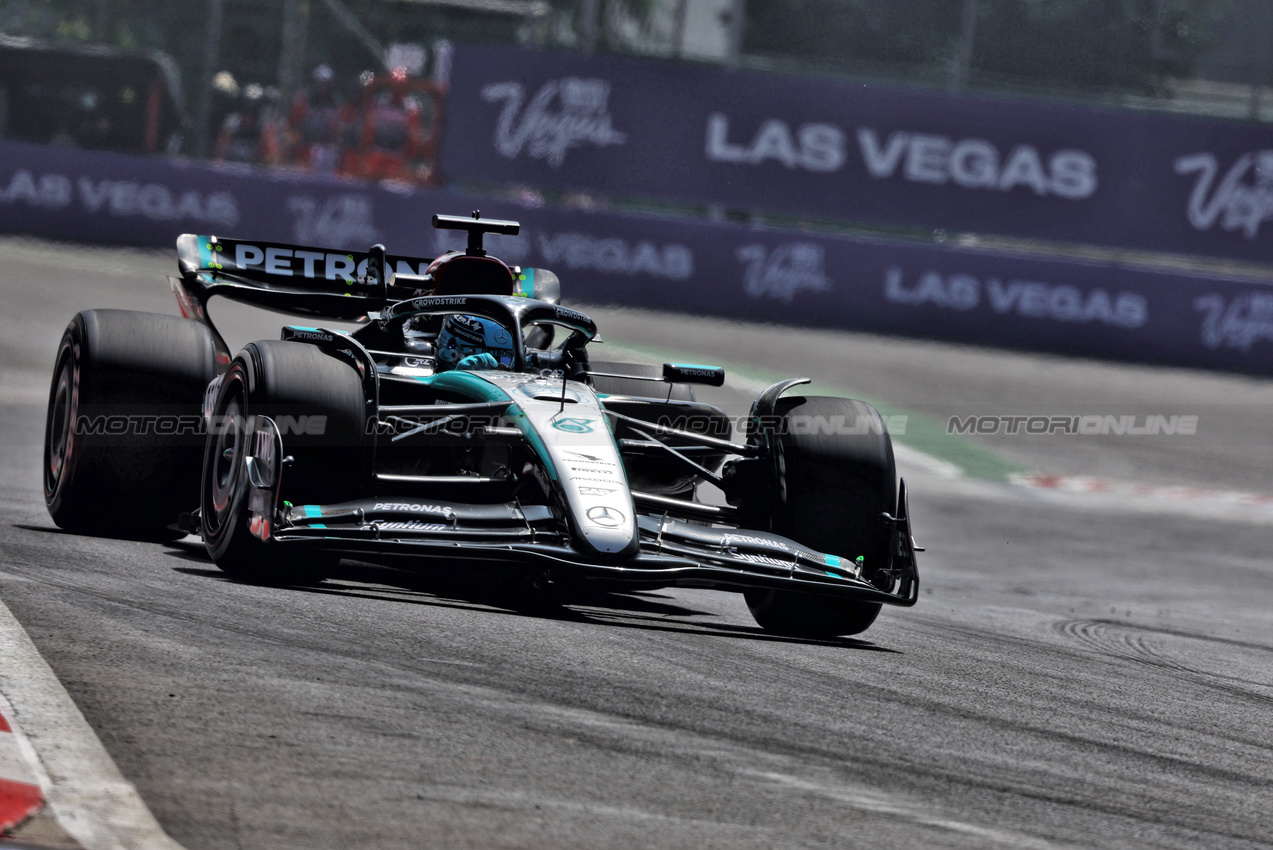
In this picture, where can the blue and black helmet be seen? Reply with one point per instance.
(462, 336)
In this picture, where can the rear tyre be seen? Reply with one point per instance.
(123, 434)
(835, 479)
(293, 384)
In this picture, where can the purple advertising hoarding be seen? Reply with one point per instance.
(857, 152)
(768, 275)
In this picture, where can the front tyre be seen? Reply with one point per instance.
(796, 614)
(122, 438)
(318, 403)
(835, 479)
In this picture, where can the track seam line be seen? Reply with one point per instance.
(87, 794)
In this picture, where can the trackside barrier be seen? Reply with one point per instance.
(891, 287)
(853, 151)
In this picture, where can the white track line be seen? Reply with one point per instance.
(85, 790)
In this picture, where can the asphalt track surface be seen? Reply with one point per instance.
(1077, 672)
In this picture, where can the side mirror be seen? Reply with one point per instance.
(539, 284)
(685, 373)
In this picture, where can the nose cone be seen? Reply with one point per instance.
(607, 529)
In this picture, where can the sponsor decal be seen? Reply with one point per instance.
(606, 517)
(613, 255)
(413, 507)
(786, 270)
(578, 473)
(1236, 202)
(318, 336)
(580, 456)
(295, 262)
(690, 371)
(121, 198)
(571, 315)
(978, 164)
(747, 540)
(342, 219)
(582, 117)
(574, 425)
(753, 558)
(968, 163)
(409, 525)
(467, 328)
(1239, 323)
(287, 262)
(433, 301)
(1029, 299)
(50, 191)
(595, 491)
(812, 147)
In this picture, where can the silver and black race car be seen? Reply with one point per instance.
(463, 420)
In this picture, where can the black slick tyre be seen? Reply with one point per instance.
(835, 478)
(123, 435)
(317, 401)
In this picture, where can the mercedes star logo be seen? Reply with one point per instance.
(608, 517)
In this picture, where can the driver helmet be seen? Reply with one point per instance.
(462, 336)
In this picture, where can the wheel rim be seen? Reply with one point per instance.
(60, 431)
(224, 461)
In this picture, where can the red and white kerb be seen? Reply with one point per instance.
(20, 796)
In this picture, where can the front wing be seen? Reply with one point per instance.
(672, 552)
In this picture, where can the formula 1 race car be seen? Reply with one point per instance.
(463, 419)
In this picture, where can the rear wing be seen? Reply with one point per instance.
(311, 281)
(298, 279)
(276, 264)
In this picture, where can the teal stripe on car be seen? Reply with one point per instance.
(471, 385)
